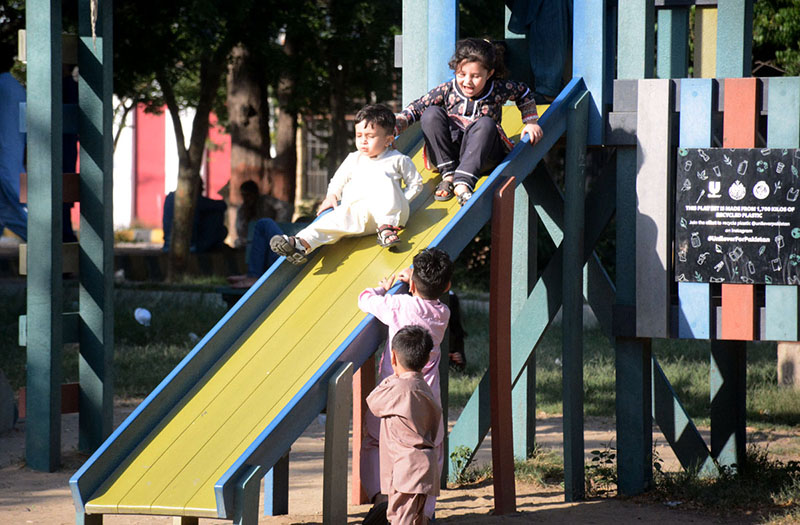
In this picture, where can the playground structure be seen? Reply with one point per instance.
(266, 353)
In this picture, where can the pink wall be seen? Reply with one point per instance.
(149, 152)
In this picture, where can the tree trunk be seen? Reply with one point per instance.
(248, 109)
(337, 143)
(284, 167)
(189, 161)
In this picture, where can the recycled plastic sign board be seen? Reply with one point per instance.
(737, 216)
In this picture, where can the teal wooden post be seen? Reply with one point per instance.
(246, 512)
(672, 43)
(95, 87)
(572, 349)
(337, 427)
(523, 275)
(45, 293)
(635, 38)
(728, 385)
(590, 60)
(632, 356)
(429, 35)
(734, 38)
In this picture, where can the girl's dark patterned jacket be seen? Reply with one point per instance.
(465, 110)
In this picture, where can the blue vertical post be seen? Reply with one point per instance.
(442, 29)
(45, 293)
(95, 87)
(632, 356)
(429, 37)
(589, 60)
(697, 105)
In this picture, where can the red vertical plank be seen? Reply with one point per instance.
(363, 384)
(149, 161)
(739, 131)
(505, 495)
(219, 158)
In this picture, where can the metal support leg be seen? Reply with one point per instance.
(337, 428)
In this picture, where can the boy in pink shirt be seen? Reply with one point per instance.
(428, 279)
(411, 420)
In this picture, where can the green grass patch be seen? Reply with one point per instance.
(685, 362)
(144, 355)
(763, 485)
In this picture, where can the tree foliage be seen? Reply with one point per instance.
(776, 34)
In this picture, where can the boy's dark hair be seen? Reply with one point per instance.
(412, 345)
(433, 270)
(488, 54)
(249, 186)
(378, 115)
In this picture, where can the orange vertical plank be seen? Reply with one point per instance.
(739, 126)
(363, 384)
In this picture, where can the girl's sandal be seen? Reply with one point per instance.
(387, 235)
(463, 197)
(446, 188)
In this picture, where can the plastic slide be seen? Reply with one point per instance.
(251, 386)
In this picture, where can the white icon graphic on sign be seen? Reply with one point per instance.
(737, 191)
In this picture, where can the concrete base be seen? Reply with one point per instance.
(789, 364)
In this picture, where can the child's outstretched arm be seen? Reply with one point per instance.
(411, 178)
(337, 184)
(413, 112)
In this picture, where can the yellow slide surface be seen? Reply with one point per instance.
(173, 470)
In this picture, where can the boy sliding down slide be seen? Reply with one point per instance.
(368, 186)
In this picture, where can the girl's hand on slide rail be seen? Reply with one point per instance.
(386, 282)
(534, 131)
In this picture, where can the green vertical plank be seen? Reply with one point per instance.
(523, 267)
(44, 124)
(95, 88)
(728, 386)
(337, 428)
(636, 38)
(783, 131)
(783, 110)
(672, 43)
(734, 38)
(572, 324)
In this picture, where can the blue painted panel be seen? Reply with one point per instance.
(589, 46)
(694, 307)
(694, 299)
(442, 27)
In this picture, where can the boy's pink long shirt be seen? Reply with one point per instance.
(397, 311)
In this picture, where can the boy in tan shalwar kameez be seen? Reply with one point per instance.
(410, 417)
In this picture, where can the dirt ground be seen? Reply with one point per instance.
(41, 498)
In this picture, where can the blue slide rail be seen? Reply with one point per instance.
(289, 424)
